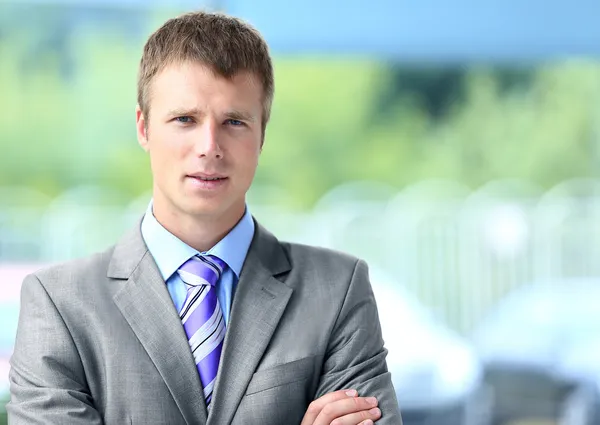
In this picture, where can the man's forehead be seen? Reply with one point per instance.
(186, 86)
(193, 68)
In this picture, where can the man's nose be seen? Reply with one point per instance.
(208, 143)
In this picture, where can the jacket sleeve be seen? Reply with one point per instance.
(356, 356)
(47, 380)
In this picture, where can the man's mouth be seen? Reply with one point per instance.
(209, 179)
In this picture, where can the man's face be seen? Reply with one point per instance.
(204, 138)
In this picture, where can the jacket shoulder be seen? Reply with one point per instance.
(298, 250)
(321, 261)
(63, 275)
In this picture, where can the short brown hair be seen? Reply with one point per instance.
(223, 43)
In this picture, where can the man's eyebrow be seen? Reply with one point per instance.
(183, 112)
(233, 114)
(240, 116)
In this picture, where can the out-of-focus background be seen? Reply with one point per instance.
(454, 145)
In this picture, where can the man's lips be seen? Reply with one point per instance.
(207, 177)
(208, 182)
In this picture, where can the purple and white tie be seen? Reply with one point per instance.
(202, 317)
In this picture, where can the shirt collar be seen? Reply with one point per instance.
(170, 252)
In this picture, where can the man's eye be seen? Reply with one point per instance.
(184, 120)
(235, 123)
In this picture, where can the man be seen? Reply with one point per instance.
(200, 315)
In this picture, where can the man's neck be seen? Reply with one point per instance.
(200, 232)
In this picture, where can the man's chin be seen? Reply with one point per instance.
(212, 209)
(204, 211)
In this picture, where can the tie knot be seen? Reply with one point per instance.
(202, 270)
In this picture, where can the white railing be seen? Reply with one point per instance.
(459, 250)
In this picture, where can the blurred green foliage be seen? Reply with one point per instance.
(3, 402)
(67, 118)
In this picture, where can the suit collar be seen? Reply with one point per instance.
(268, 252)
(128, 254)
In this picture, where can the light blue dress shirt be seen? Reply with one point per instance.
(170, 253)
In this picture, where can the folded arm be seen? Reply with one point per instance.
(356, 355)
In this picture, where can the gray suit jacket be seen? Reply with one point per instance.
(99, 341)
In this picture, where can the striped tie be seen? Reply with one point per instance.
(202, 317)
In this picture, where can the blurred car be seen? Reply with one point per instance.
(436, 374)
(541, 352)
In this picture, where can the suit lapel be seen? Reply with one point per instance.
(145, 303)
(258, 305)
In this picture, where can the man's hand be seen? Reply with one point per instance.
(342, 408)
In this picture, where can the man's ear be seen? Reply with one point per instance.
(262, 141)
(142, 128)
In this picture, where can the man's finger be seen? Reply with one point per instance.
(363, 417)
(347, 406)
(314, 409)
